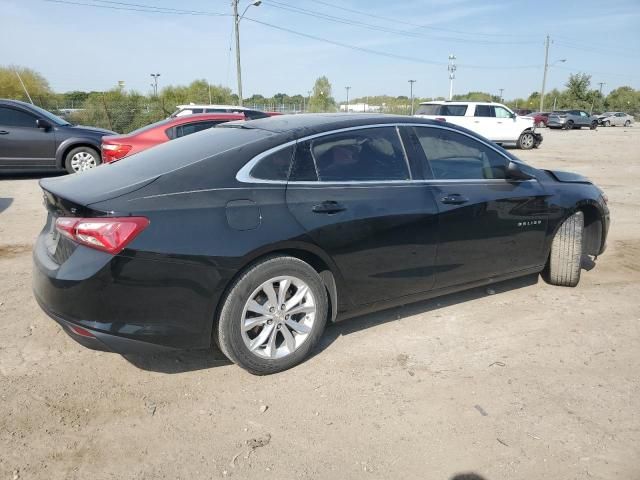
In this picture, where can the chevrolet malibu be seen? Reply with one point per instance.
(253, 235)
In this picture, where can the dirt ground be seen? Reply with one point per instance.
(532, 382)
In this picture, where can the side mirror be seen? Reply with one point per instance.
(515, 173)
(42, 123)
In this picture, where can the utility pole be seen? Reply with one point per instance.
(452, 74)
(347, 89)
(544, 76)
(308, 99)
(501, 90)
(411, 82)
(155, 83)
(601, 85)
(236, 23)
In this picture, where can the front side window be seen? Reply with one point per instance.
(370, 154)
(16, 118)
(484, 111)
(454, 156)
(502, 112)
(274, 166)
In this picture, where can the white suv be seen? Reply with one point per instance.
(491, 120)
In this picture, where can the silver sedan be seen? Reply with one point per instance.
(615, 119)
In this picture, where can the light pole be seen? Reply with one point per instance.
(155, 83)
(501, 90)
(347, 89)
(546, 67)
(411, 82)
(236, 22)
(452, 74)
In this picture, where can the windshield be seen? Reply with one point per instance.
(49, 116)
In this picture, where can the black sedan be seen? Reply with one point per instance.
(253, 235)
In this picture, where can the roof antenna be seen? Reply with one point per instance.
(22, 83)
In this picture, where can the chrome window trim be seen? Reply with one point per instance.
(244, 174)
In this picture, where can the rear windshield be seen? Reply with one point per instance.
(439, 109)
(149, 127)
(180, 153)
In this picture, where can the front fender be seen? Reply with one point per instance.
(73, 142)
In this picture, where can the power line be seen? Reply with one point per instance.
(379, 28)
(140, 8)
(417, 25)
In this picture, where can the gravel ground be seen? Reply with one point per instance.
(532, 381)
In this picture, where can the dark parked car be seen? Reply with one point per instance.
(570, 119)
(117, 147)
(254, 234)
(33, 139)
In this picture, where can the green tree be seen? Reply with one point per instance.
(36, 85)
(624, 99)
(321, 99)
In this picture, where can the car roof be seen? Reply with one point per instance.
(8, 101)
(457, 102)
(202, 105)
(311, 123)
(229, 117)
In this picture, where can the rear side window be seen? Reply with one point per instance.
(15, 118)
(454, 110)
(189, 128)
(275, 166)
(454, 156)
(371, 154)
(428, 109)
(484, 111)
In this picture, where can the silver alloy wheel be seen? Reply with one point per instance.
(278, 317)
(83, 161)
(526, 141)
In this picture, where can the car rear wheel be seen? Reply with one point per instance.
(627, 123)
(273, 315)
(541, 124)
(81, 158)
(526, 141)
(606, 123)
(568, 125)
(566, 253)
(593, 125)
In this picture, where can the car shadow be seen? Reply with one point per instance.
(468, 476)
(179, 361)
(5, 202)
(356, 324)
(182, 361)
(29, 175)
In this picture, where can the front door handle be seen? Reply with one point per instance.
(454, 199)
(4, 132)
(328, 206)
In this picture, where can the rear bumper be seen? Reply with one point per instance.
(127, 304)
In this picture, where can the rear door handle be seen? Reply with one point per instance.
(4, 132)
(454, 199)
(328, 206)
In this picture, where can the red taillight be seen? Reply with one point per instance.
(112, 152)
(109, 234)
(83, 332)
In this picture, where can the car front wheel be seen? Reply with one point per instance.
(273, 315)
(565, 258)
(593, 125)
(526, 141)
(627, 123)
(81, 158)
(606, 123)
(541, 124)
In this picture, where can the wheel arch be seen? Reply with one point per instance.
(65, 147)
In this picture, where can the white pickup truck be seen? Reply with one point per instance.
(491, 120)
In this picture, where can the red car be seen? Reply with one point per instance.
(540, 118)
(116, 147)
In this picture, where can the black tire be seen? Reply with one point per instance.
(87, 151)
(565, 258)
(627, 123)
(606, 123)
(526, 141)
(568, 125)
(541, 124)
(227, 331)
(593, 125)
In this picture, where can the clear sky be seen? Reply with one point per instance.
(498, 44)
